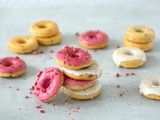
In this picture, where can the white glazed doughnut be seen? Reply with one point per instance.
(150, 85)
(89, 73)
(89, 93)
(128, 54)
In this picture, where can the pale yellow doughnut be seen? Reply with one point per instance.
(44, 29)
(56, 39)
(139, 34)
(22, 44)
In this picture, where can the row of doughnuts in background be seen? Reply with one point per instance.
(137, 40)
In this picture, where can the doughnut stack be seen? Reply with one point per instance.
(46, 33)
(140, 37)
(80, 73)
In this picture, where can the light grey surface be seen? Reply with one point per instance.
(109, 105)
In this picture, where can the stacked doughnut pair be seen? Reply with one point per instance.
(140, 37)
(80, 73)
(46, 33)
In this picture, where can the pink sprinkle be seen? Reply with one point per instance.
(38, 106)
(77, 34)
(117, 75)
(121, 94)
(118, 86)
(51, 51)
(32, 88)
(26, 96)
(127, 74)
(94, 50)
(42, 111)
(38, 53)
(30, 92)
(132, 73)
(17, 89)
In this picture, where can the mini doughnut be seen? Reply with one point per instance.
(48, 84)
(93, 39)
(140, 34)
(44, 29)
(90, 73)
(76, 85)
(129, 57)
(73, 58)
(12, 67)
(150, 88)
(142, 46)
(22, 44)
(56, 39)
(89, 93)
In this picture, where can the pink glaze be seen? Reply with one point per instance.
(48, 83)
(73, 56)
(73, 82)
(11, 65)
(93, 37)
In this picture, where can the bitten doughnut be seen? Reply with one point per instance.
(73, 58)
(12, 67)
(129, 57)
(73, 84)
(44, 29)
(93, 39)
(90, 73)
(139, 34)
(89, 93)
(48, 84)
(150, 87)
(142, 46)
(56, 39)
(22, 44)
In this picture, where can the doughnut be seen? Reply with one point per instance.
(89, 93)
(56, 39)
(12, 67)
(90, 73)
(139, 34)
(73, 58)
(48, 84)
(44, 29)
(76, 85)
(142, 46)
(93, 39)
(150, 88)
(129, 57)
(22, 44)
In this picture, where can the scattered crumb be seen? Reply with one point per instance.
(26, 97)
(118, 46)
(94, 50)
(118, 86)
(38, 52)
(17, 89)
(65, 101)
(106, 72)
(51, 51)
(77, 34)
(55, 105)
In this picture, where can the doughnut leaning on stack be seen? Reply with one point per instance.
(139, 36)
(80, 73)
(46, 33)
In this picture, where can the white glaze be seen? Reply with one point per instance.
(119, 55)
(150, 85)
(94, 69)
(86, 92)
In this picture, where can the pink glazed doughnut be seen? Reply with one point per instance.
(48, 84)
(76, 85)
(12, 67)
(94, 39)
(73, 58)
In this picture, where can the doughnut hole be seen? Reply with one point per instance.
(21, 41)
(41, 26)
(128, 53)
(155, 83)
(6, 63)
(45, 84)
(139, 30)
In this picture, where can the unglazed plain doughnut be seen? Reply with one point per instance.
(12, 67)
(150, 87)
(89, 93)
(48, 84)
(142, 46)
(44, 29)
(73, 58)
(56, 39)
(22, 44)
(76, 85)
(93, 39)
(90, 73)
(139, 34)
(129, 57)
